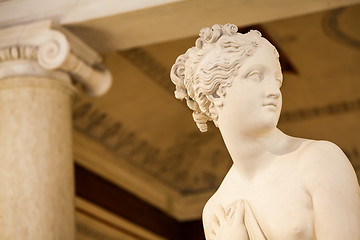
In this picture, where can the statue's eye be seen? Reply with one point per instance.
(255, 74)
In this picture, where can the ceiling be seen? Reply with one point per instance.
(110, 25)
(141, 138)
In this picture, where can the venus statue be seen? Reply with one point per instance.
(279, 187)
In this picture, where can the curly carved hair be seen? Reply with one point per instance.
(206, 70)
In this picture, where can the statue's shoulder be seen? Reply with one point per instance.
(315, 152)
(210, 205)
(217, 199)
(207, 213)
(323, 162)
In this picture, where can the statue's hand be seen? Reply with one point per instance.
(229, 224)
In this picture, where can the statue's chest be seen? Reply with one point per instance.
(282, 209)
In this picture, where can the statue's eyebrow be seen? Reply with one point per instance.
(253, 67)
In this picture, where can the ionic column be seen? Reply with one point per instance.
(39, 64)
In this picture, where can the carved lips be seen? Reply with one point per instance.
(271, 105)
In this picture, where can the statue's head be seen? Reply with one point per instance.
(205, 71)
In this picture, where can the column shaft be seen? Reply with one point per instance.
(36, 165)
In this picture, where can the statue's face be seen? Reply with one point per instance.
(254, 100)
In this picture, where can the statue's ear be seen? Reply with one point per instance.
(217, 98)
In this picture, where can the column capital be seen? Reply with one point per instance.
(46, 47)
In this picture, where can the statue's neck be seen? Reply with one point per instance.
(252, 153)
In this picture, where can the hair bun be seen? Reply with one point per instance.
(177, 76)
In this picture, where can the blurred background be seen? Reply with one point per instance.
(143, 170)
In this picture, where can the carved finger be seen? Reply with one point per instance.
(239, 212)
(220, 214)
(230, 212)
(212, 236)
(215, 221)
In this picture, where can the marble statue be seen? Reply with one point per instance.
(279, 187)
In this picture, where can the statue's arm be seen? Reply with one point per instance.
(334, 189)
(206, 218)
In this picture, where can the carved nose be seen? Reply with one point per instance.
(273, 92)
(272, 89)
(274, 95)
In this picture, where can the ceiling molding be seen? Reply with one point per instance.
(127, 145)
(333, 27)
(331, 109)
